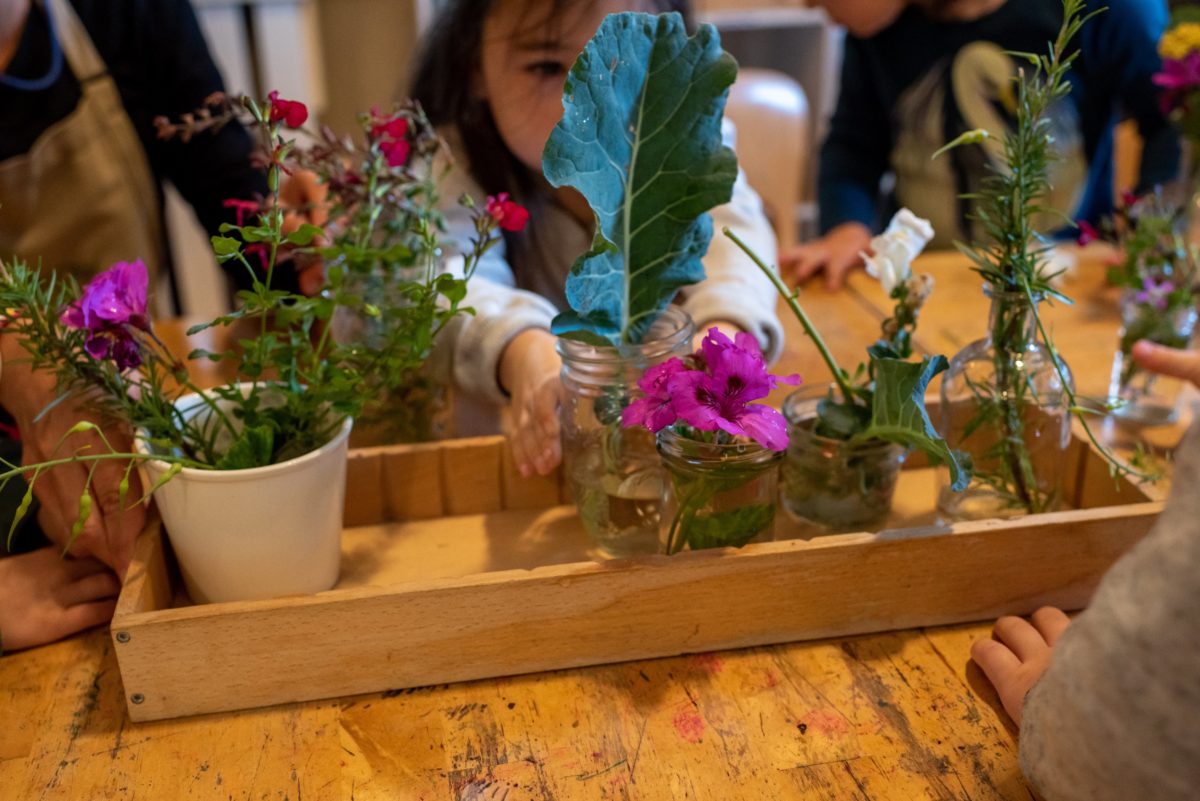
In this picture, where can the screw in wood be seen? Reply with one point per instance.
(137, 698)
(122, 636)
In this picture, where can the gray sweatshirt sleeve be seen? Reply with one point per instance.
(1115, 716)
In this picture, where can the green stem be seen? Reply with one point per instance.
(789, 297)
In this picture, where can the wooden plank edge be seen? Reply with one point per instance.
(555, 618)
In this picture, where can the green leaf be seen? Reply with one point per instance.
(304, 235)
(225, 246)
(640, 139)
(898, 413)
(731, 529)
(253, 448)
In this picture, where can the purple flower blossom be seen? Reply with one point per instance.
(1155, 292)
(112, 306)
(654, 410)
(717, 398)
(1179, 73)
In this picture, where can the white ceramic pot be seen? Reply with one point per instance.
(241, 535)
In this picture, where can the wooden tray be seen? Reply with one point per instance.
(456, 568)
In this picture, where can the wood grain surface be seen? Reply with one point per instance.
(897, 716)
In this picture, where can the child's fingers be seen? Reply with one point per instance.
(808, 262)
(836, 270)
(1050, 623)
(1183, 364)
(522, 450)
(1021, 637)
(76, 569)
(996, 660)
(96, 587)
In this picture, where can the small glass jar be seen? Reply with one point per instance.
(412, 405)
(716, 495)
(831, 483)
(614, 473)
(1139, 397)
(1004, 402)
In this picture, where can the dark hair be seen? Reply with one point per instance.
(443, 83)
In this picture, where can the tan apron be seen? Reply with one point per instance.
(83, 197)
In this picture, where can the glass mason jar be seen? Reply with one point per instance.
(832, 483)
(717, 496)
(413, 405)
(1004, 402)
(1140, 397)
(614, 473)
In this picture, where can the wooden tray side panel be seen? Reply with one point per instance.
(340, 644)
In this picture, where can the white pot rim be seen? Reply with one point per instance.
(215, 476)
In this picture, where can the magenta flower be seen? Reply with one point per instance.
(654, 409)
(291, 113)
(718, 397)
(113, 305)
(1087, 233)
(395, 151)
(508, 214)
(1155, 293)
(1179, 73)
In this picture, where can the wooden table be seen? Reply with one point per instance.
(902, 716)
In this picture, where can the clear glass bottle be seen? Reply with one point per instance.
(1139, 397)
(716, 495)
(1004, 402)
(415, 407)
(831, 483)
(614, 473)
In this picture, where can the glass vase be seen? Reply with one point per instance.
(411, 403)
(717, 495)
(833, 484)
(1139, 397)
(614, 473)
(1004, 403)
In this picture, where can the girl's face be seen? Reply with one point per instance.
(863, 18)
(526, 52)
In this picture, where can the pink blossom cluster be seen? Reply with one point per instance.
(713, 390)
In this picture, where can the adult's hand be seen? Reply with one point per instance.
(112, 527)
(1174, 362)
(835, 254)
(44, 597)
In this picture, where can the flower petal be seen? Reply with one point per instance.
(766, 426)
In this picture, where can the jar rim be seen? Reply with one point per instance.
(799, 423)
(682, 328)
(672, 443)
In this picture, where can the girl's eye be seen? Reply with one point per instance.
(547, 69)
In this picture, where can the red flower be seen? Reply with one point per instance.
(1128, 199)
(1087, 233)
(395, 151)
(293, 113)
(242, 208)
(395, 128)
(509, 215)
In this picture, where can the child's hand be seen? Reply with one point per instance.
(44, 597)
(1019, 654)
(1183, 364)
(837, 253)
(110, 531)
(529, 372)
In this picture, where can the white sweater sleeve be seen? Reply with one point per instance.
(735, 290)
(501, 310)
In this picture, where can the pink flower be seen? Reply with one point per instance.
(112, 306)
(1087, 233)
(1155, 292)
(1179, 73)
(508, 214)
(292, 113)
(395, 151)
(654, 409)
(395, 128)
(242, 208)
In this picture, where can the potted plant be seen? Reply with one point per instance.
(720, 450)
(848, 440)
(1008, 398)
(641, 131)
(1157, 277)
(229, 464)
